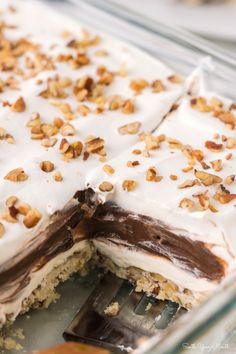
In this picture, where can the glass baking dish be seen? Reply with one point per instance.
(210, 328)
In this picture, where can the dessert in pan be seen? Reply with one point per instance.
(167, 206)
(104, 155)
(69, 102)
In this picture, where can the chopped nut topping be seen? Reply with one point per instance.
(132, 163)
(95, 146)
(136, 152)
(231, 143)
(175, 79)
(229, 179)
(106, 186)
(129, 185)
(189, 183)
(2, 229)
(151, 175)
(204, 201)
(187, 169)
(57, 176)
(58, 123)
(174, 143)
(19, 105)
(16, 175)
(138, 85)
(32, 218)
(128, 107)
(23, 208)
(214, 147)
(186, 203)
(6, 136)
(152, 142)
(67, 130)
(207, 178)
(49, 142)
(115, 102)
(173, 177)
(131, 128)
(11, 201)
(47, 166)
(229, 156)
(83, 110)
(108, 169)
(70, 151)
(158, 86)
(217, 165)
(200, 104)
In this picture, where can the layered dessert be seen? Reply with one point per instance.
(107, 154)
(165, 215)
(70, 100)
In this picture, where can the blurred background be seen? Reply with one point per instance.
(212, 19)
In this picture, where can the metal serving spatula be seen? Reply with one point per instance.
(136, 316)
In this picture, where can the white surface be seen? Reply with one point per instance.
(209, 20)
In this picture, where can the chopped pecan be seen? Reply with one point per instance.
(138, 85)
(229, 179)
(131, 128)
(19, 105)
(207, 178)
(108, 169)
(16, 175)
(186, 203)
(200, 104)
(32, 218)
(129, 185)
(217, 165)
(47, 166)
(106, 186)
(57, 176)
(128, 107)
(189, 183)
(151, 175)
(158, 86)
(214, 147)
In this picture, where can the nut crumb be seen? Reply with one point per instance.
(47, 166)
(19, 105)
(106, 186)
(32, 218)
(112, 310)
(16, 175)
(129, 185)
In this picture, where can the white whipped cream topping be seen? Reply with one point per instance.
(40, 190)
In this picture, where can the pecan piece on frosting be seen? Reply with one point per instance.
(131, 128)
(129, 185)
(106, 186)
(16, 175)
(186, 203)
(207, 178)
(32, 218)
(214, 147)
(151, 175)
(47, 166)
(19, 105)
